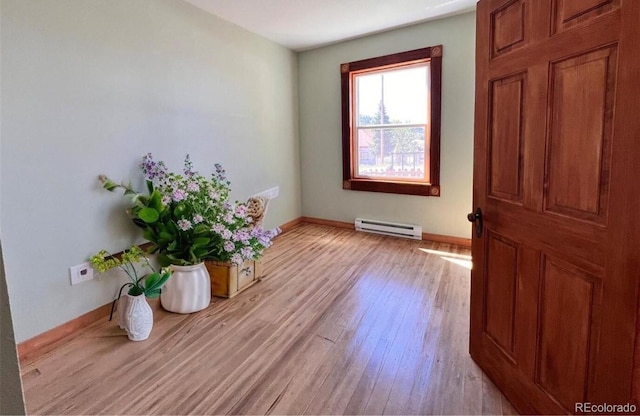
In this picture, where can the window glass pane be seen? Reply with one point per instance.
(394, 153)
(397, 96)
(369, 93)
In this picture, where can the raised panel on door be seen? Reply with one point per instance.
(501, 289)
(579, 137)
(508, 28)
(570, 13)
(567, 299)
(505, 163)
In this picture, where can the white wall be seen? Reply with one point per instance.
(88, 87)
(320, 130)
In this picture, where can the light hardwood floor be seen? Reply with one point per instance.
(343, 323)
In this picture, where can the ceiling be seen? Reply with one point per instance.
(307, 24)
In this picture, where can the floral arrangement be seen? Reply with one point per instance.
(148, 285)
(188, 218)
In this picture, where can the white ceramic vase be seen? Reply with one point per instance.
(135, 317)
(123, 302)
(188, 290)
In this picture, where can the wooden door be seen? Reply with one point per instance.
(557, 176)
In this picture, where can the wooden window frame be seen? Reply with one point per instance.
(350, 180)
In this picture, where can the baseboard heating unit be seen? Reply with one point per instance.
(389, 228)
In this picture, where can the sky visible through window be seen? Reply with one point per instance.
(404, 97)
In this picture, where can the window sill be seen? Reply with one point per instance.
(391, 187)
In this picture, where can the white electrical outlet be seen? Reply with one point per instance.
(81, 273)
(270, 193)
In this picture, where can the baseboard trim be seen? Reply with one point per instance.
(436, 238)
(288, 226)
(330, 223)
(33, 348)
(447, 239)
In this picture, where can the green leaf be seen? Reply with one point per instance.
(148, 234)
(164, 260)
(201, 241)
(109, 185)
(180, 210)
(149, 215)
(157, 281)
(155, 200)
(151, 279)
(150, 187)
(201, 229)
(172, 228)
(152, 294)
(200, 252)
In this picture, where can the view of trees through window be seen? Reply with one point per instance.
(392, 116)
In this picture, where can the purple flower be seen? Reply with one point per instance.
(166, 199)
(153, 171)
(229, 246)
(242, 235)
(218, 228)
(188, 167)
(197, 219)
(264, 236)
(236, 259)
(221, 174)
(226, 234)
(193, 187)
(241, 211)
(228, 218)
(178, 195)
(184, 225)
(247, 252)
(214, 195)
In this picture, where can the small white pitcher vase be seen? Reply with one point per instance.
(135, 316)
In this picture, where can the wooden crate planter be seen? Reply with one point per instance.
(227, 280)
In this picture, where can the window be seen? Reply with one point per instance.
(391, 123)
